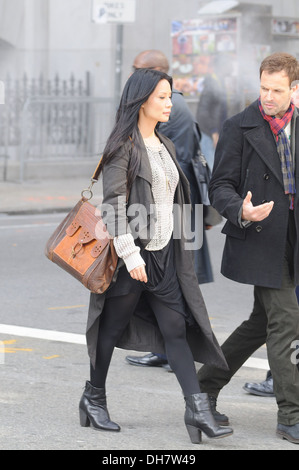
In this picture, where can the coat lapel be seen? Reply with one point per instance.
(183, 179)
(262, 140)
(296, 145)
(144, 171)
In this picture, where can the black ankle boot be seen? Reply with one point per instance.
(198, 419)
(220, 418)
(93, 409)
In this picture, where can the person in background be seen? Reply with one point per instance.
(180, 130)
(253, 186)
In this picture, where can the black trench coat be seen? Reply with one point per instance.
(142, 333)
(246, 159)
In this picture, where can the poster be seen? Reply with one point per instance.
(285, 27)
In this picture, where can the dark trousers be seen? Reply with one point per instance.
(274, 321)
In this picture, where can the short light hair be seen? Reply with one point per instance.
(281, 61)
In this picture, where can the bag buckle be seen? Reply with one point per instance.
(76, 250)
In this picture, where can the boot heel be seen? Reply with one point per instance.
(84, 419)
(194, 434)
(198, 417)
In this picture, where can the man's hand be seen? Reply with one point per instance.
(255, 213)
(139, 273)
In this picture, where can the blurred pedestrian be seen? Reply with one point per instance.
(155, 298)
(254, 187)
(212, 105)
(180, 130)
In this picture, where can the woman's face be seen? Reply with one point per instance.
(158, 106)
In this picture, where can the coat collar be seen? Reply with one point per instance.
(295, 140)
(260, 137)
(145, 171)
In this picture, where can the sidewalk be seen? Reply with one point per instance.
(38, 196)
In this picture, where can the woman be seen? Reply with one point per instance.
(154, 301)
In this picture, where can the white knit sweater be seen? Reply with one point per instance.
(165, 178)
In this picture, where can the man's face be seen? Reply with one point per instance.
(275, 93)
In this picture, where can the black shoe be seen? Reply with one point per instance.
(221, 419)
(93, 409)
(149, 360)
(199, 418)
(263, 389)
(290, 433)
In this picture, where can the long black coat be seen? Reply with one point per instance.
(142, 333)
(246, 159)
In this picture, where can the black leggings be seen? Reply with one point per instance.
(114, 319)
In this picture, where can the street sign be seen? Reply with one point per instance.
(105, 12)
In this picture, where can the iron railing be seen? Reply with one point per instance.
(61, 128)
(52, 119)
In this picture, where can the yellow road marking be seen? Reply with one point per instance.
(14, 350)
(10, 349)
(7, 349)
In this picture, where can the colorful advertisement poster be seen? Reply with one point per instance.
(200, 44)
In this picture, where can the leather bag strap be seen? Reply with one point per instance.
(97, 172)
(94, 179)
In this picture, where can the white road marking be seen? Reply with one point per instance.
(42, 334)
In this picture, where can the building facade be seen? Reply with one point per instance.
(54, 50)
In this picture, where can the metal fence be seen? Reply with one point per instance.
(64, 128)
(52, 120)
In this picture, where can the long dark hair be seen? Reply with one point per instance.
(137, 90)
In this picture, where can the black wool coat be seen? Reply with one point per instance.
(246, 159)
(142, 333)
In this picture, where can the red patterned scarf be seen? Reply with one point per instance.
(276, 124)
(283, 148)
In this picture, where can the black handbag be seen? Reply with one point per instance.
(202, 175)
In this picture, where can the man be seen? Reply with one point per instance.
(254, 187)
(180, 129)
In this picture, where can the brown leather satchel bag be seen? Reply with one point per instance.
(82, 246)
